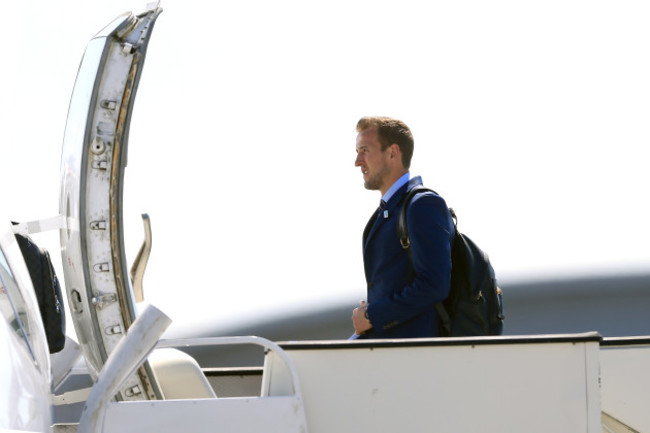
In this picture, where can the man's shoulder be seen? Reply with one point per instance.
(427, 204)
(418, 192)
(417, 187)
(423, 200)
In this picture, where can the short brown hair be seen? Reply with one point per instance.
(390, 131)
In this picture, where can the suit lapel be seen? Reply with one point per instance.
(377, 221)
(367, 230)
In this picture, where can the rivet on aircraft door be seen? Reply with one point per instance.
(113, 329)
(101, 267)
(100, 299)
(98, 225)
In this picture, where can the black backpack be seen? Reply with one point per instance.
(475, 303)
(48, 291)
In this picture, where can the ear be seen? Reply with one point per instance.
(395, 151)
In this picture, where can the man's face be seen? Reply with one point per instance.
(372, 160)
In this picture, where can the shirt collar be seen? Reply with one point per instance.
(397, 185)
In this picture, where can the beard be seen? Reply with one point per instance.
(375, 181)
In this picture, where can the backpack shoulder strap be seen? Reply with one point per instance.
(402, 229)
(403, 234)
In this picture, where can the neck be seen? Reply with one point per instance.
(391, 181)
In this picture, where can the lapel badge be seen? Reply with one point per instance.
(385, 214)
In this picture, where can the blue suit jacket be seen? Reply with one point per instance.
(403, 288)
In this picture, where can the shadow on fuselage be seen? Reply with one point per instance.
(611, 305)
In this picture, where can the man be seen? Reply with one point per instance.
(403, 286)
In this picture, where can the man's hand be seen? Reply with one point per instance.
(361, 324)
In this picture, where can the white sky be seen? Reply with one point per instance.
(530, 118)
